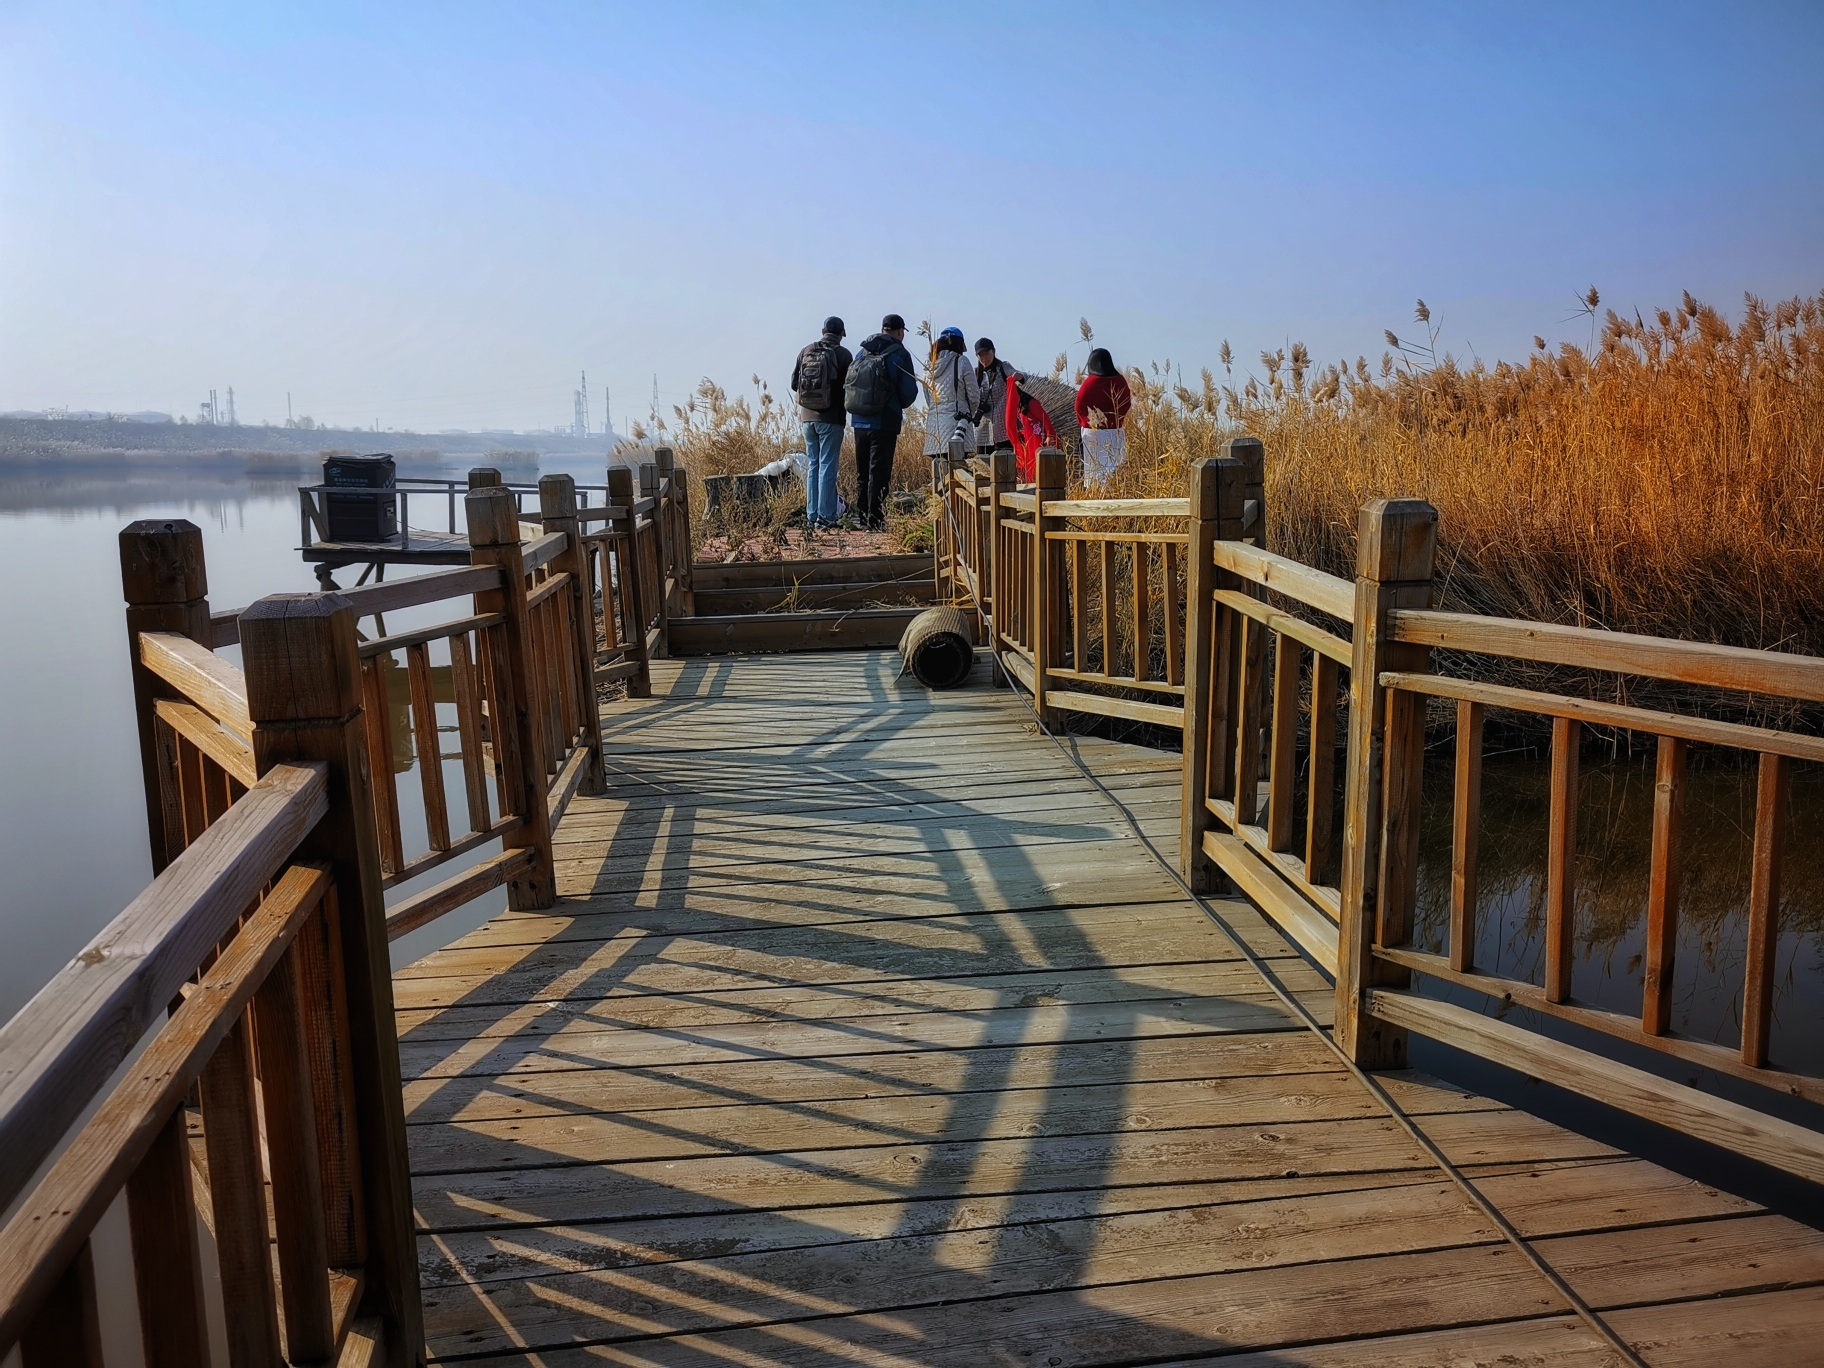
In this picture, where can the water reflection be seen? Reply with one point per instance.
(1614, 850)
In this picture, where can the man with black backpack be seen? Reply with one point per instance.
(817, 381)
(882, 384)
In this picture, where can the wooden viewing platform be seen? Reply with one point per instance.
(835, 1022)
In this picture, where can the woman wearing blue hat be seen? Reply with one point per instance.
(950, 394)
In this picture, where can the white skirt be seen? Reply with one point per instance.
(1103, 450)
(940, 427)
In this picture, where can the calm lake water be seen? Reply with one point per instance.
(72, 810)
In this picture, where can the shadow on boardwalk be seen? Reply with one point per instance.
(866, 1032)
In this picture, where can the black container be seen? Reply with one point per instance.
(360, 517)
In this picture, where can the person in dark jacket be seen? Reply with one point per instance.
(876, 434)
(817, 380)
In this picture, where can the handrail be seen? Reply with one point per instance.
(372, 599)
(1117, 508)
(541, 550)
(1594, 648)
(213, 684)
(67, 1041)
(1295, 580)
(54, 1221)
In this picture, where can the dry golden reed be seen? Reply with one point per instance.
(1666, 480)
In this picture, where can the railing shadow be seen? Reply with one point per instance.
(947, 1075)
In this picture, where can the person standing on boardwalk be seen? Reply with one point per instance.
(817, 381)
(951, 396)
(991, 379)
(1103, 400)
(882, 384)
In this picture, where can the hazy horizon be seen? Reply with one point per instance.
(434, 218)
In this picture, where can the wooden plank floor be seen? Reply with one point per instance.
(865, 1032)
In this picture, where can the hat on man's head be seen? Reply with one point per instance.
(834, 324)
(892, 323)
(983, 344)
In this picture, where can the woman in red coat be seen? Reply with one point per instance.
(1103, 400)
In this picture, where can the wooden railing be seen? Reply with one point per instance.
(1290, 675)
(278, 826)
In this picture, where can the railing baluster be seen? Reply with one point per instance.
(1405, 775)
(66, 1332)
(1561, 860)
(1174, 644)
(1079, 606)
(1282, 767)
(1143, 612)
(237, 1195)
(1253, 671)
(468, 726)
(1199, 671)
(291, 1147)
(1465, 836)
(167, 1266)
(557, 503)
(1320, 804)
(1770, 798)
(430, 749)
(322, 984)
(380, 762)
(1662, 886)
(1109, 631)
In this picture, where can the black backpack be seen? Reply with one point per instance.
(817, 377)
(869, 389)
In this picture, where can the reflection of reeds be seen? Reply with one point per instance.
(1615, 849)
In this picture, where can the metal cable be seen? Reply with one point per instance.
(1584, 1310)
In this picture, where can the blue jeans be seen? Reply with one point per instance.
(822, 450)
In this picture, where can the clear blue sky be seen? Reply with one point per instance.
(435, 216)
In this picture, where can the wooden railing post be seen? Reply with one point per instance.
(1216, 487)
(494, 540)
(165, 584)
(677, 553)
(301, 659)
(484, 477)
(1047, 583)
(621, 496)
(1003, 476)
(557, 506)
(1397, 542)
(650, 487)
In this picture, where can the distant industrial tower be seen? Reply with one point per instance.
(579, 426)
(231, 422)
(607, 414)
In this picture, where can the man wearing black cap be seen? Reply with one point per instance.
(817, 381)
(882, 385)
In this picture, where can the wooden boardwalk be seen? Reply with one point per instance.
(865, 1032)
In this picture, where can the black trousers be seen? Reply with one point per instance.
(873, 471)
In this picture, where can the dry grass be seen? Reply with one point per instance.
(1667, 481)
(714, 434)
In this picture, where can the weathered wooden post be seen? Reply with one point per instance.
(484, 477)
(494, 540)
(1047, 586)
(675, 481)
(656, 564)
(302, 664)
(1216, 488)
(1003, 475)
(620, 495)
(557, 507)
(1396, 545)
(166, 587)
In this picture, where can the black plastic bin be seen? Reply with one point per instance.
(363, 513)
